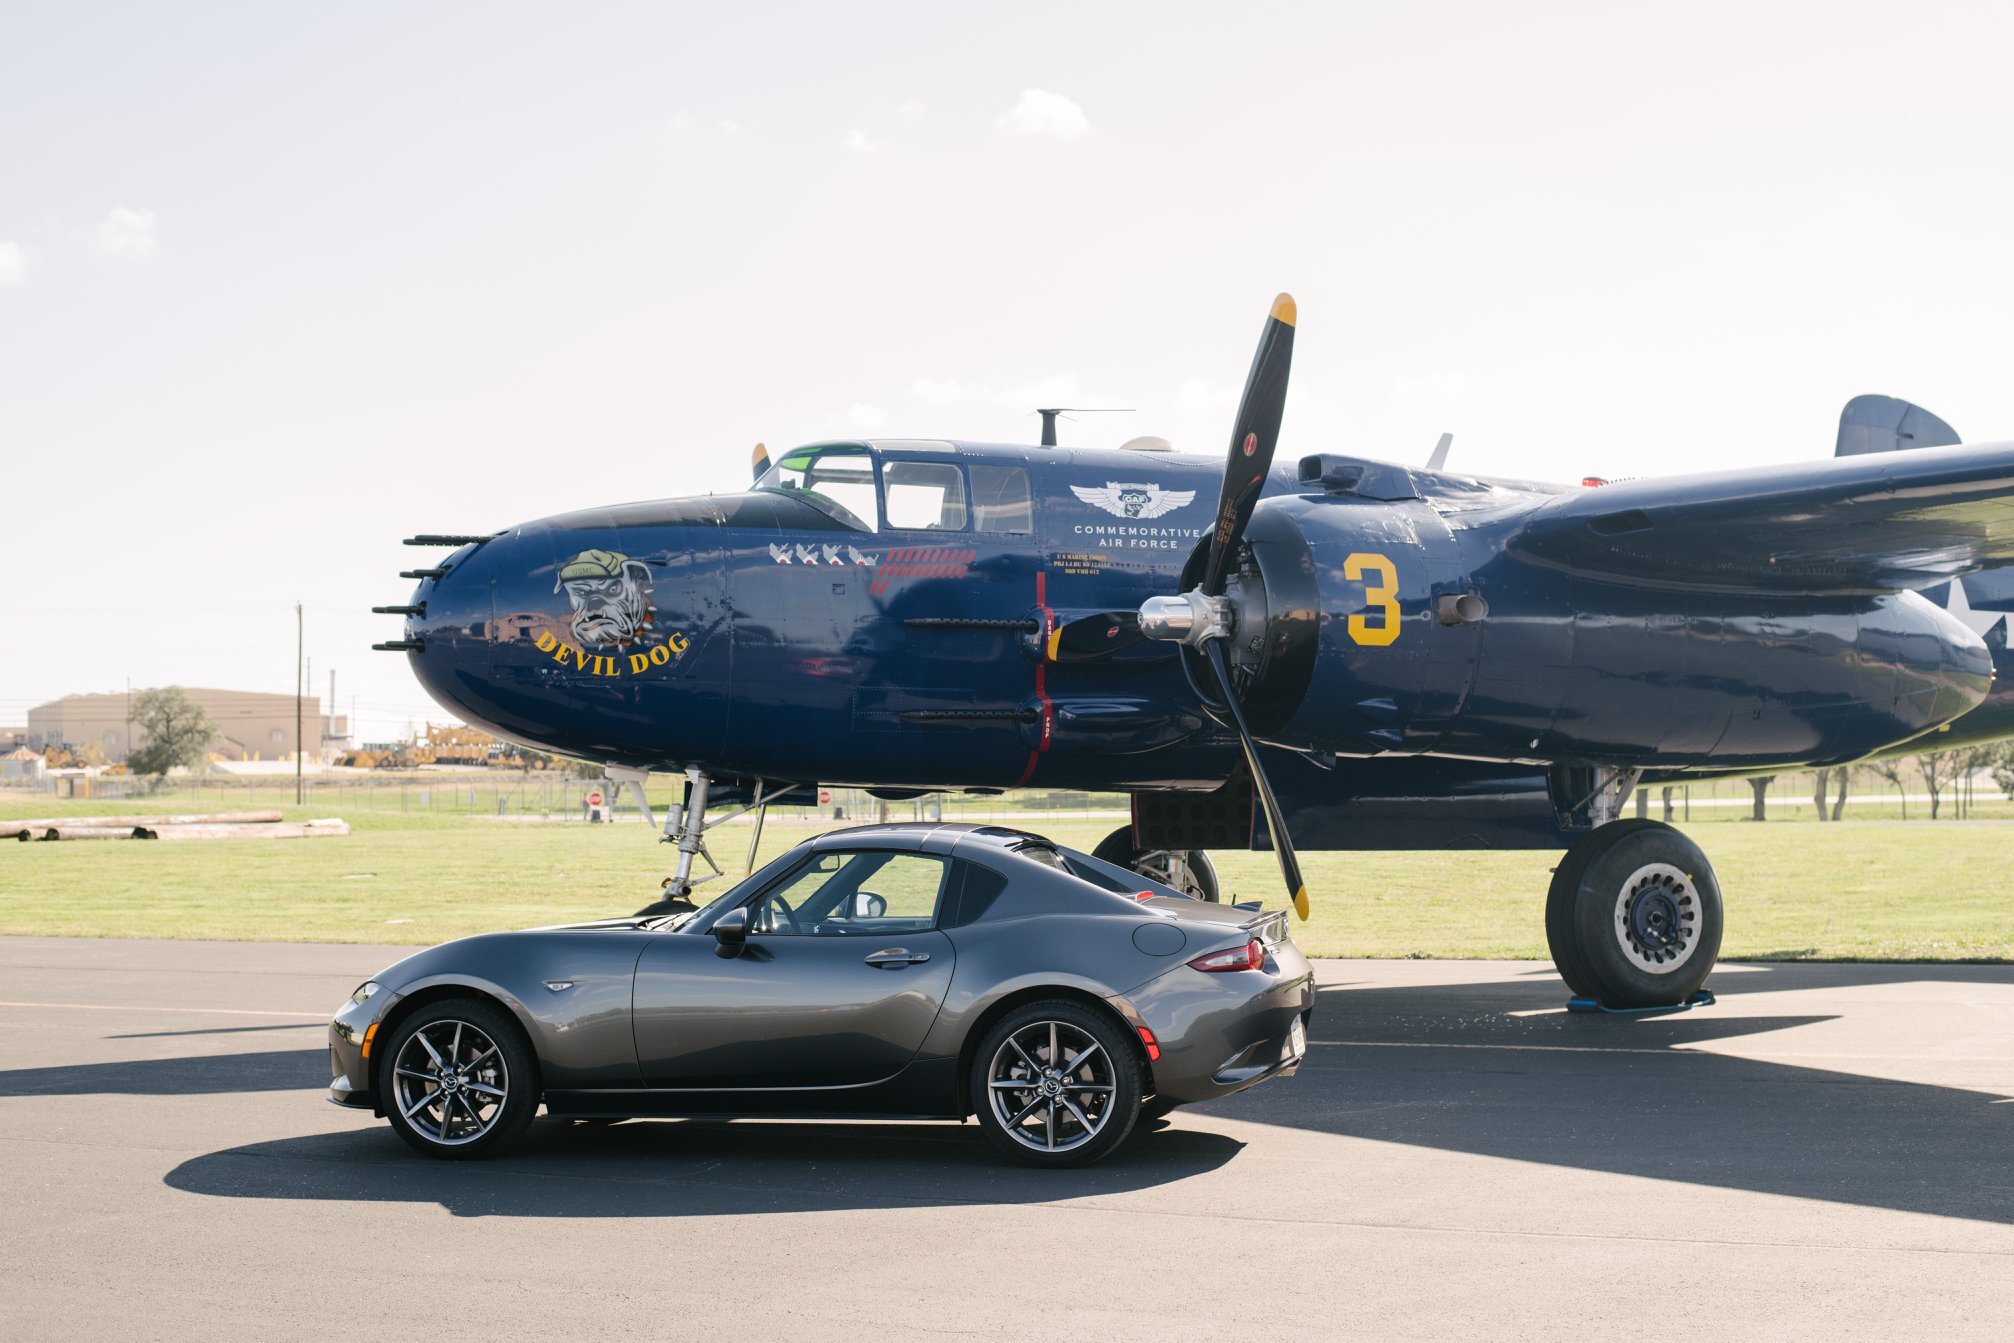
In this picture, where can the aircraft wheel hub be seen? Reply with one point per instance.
(1657, 918)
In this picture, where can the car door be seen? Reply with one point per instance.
(839, 981)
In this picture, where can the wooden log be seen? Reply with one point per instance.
(270, 830)
(36, 827)
(76, 832)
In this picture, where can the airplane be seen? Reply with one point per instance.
(1342, 653)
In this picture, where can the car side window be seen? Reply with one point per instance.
(842, 893)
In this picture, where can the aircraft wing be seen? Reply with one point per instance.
(1875, 523)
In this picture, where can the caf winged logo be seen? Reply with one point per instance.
(1133, 500)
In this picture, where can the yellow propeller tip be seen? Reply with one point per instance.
(1055, 642)
(1283, 309)
(1301, 903)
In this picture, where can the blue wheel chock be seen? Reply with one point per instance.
(1701, 998)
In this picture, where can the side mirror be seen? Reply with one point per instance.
(730, 933)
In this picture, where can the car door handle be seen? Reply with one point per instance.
(896, 957)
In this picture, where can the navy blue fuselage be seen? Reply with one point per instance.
(773, 635)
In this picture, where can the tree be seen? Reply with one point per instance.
(1891, 770)
(175, 729)
(2003, 767)
(1761, 787)
(1940, 770)
(1844, 773)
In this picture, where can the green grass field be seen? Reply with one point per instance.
(1862, 889)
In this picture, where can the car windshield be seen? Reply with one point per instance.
(838, 481)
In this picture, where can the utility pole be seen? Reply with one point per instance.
(300, 671)
(126, 742)
(329, 713)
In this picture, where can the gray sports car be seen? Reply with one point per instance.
(913, 971)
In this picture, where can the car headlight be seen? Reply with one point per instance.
(365, 990)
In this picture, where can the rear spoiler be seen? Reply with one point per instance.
(1269, 926)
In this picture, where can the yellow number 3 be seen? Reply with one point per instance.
(1381, 595)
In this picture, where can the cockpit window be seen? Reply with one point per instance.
(924, 496)
(1000, 499)
(838, 481)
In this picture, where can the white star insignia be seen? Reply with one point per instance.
(1979, 622)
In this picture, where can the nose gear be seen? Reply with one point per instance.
(686, 824)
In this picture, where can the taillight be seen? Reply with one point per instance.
(1251, 956)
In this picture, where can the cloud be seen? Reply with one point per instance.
(1059, 389)
(858, 142)
(937, 391)
(1041, 113)
(1206, 394)
(684, 125)
(13, 264)
(912, 109)
(866, 418)
(128, 233)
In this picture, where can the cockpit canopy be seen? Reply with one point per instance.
(869, 490)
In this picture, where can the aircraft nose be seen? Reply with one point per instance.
(449, 619)
(605, 634)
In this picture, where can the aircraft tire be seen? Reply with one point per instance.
(1117, 849)
(1634, 915)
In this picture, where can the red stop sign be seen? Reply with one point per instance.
(594, 798)
(824, 796)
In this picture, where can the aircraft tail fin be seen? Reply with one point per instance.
(1889, 424)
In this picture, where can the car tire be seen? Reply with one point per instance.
(460, 1079)
(1061, 1116)
(1634, 916)
(1118, 849)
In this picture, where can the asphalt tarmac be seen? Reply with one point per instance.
(1828, 1152)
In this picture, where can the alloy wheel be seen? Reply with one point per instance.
(1050, 1086)
(450, 1082)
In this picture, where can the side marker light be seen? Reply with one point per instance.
(1153, 1045)
(370, 1034)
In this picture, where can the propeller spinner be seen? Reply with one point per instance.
(1201, 617)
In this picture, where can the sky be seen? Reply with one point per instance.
(281, 285)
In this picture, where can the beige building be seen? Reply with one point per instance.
(251, 725)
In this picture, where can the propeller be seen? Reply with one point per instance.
(1201, 617)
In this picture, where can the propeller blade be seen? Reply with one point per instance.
(1276, 824)
(1091, 637)
(759, 460)
(1253, 437)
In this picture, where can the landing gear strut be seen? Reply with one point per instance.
(686, 826)
(1187, 870)
(1634, 917)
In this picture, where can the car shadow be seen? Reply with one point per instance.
(692, 1168)
(1490, 1067)
(194, 1075)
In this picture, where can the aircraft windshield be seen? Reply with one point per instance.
(838, 481)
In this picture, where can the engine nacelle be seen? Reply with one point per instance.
(1370, 627)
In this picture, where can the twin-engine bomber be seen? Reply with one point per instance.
(1344, 654)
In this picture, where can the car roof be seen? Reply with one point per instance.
(936, 836)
